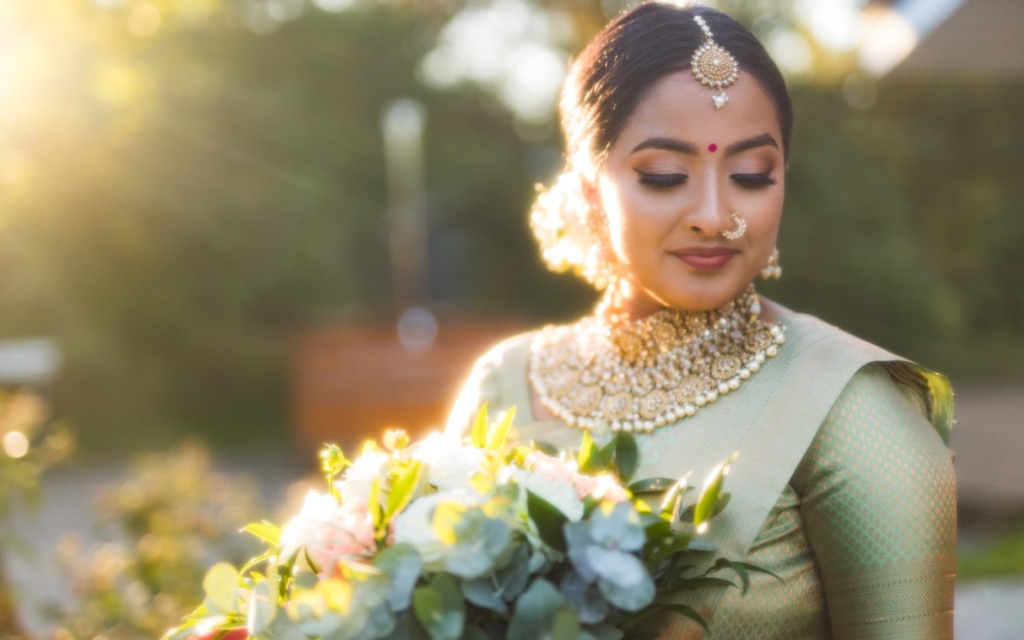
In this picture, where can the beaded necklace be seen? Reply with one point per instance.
(608, 372)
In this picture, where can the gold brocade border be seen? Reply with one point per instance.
(905, 592)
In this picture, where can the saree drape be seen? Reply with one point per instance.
(844, 486)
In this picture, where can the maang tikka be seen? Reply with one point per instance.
(713, 66)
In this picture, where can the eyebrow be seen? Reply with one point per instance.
(666, 144)
(678, 146)
(763, 140)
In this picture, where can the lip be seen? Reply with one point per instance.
(705, 258)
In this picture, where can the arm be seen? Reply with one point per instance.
(879, 508)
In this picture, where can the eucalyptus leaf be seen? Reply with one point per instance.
(221, 588)
(282, 628)
(262, 608)
(624, 580)
(482, 593)
(403, 565)
(379, 624)
(440, 609)
(584, 597)
(512, 578)
(620, 527)
(542, 612)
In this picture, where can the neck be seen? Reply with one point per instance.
(623, 302)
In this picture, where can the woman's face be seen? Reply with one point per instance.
(671, 182)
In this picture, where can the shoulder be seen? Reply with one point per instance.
(873, 371)
(509, 352)
(497, 379)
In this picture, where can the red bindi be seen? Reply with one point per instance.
(712, 147)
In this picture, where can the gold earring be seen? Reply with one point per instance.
(601, 264)
(772, 270)
(741, 228)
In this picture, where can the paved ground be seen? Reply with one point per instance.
(988, 440)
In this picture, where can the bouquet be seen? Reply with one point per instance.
(477, 538)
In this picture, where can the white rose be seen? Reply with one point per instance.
(358, 478)
(451, 463)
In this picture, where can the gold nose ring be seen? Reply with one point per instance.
(741, 228)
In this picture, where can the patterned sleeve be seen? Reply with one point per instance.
(879, 507)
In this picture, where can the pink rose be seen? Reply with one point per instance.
(602, 487)
(330, 531)
(551, 467)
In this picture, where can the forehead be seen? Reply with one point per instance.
(679, 106)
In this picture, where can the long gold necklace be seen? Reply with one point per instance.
(606, 372)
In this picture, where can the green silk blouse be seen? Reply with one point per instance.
(844, 487)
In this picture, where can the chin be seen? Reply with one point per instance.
(704, 296)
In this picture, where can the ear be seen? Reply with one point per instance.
(591, 192)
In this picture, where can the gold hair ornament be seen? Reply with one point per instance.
(713, 66)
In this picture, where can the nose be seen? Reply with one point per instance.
(709, 214)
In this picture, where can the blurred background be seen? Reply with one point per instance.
(268, 223)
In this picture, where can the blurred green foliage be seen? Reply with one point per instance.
(158, 530)
(173, 207)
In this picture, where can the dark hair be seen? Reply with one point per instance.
(614, 73)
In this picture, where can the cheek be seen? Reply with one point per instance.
(636, 221)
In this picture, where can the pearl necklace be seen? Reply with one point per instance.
(609, 372)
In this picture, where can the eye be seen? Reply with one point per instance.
(661, 181)
(753, 180)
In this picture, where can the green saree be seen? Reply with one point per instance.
(844, 486)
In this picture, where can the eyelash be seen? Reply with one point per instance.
(753, 181)
(662, 181)
(665, 181)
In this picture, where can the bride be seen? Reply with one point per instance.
(677, 128)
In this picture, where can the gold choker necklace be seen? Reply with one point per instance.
(605, 372)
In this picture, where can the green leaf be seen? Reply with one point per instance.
(265, 531)
(590, 459)
(478, 433)
(546, 448)
(440, 608)
(258, 559)
(689, 612)
(549, 520)
(221, 588)
(402, 564)
(672, 503)
(262, 608)
(708, 501)
(374, 504)
(497, 441)
(743, 570)
(626, 456)
(650, 485)
(542, 612)
(403, 488)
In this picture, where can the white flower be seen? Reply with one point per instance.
(451, 463)
(370, 466)
(329, 531)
